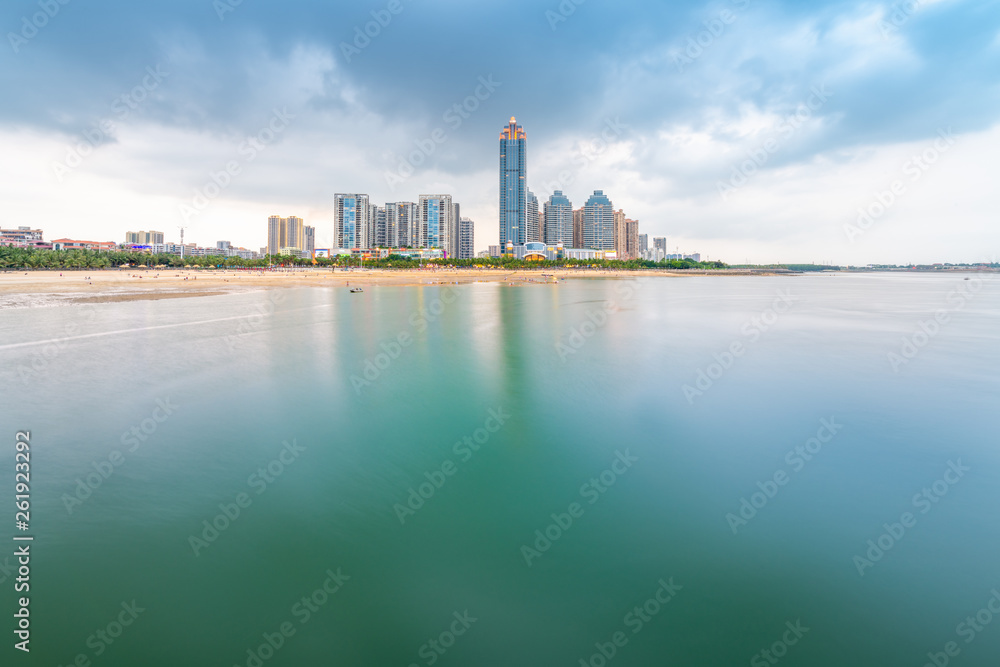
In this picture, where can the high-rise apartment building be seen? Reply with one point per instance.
(275, 234)
(631, 239)
(620, 239)
(401, 225)
(578, 228)
(513, 185)
(466, 239)
(309, 239)
(454, 233)
(284, 235)
(380, 239)
(531, 225)
(559, 220)
(353, 215)
(435, 212)
(599, 222)
(295, 232)
(660, 243)
(143, 238)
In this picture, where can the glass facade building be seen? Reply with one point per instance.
(559, 220)
(513, 186)
(599, 222)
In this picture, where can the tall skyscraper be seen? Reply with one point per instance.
(513, 185)
(643, 243)
(287, 234)
(295, 236)
(578, 228)
(660, 243)
(401, 224)
(454, 234)
(309, 239)
(275, 234)
(559, 220)
(620, 239)
(381, 237)
(466, 239)
(435, 213)
(631, 239)
(352, 216)
(541, 223)
(599, 222)
(531, 232)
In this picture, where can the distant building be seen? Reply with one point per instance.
(631, 239)
(71, 244)
(223, 245)
(21, 237)
(494, 251)
(620, 235)
(578, 228)
(144, 238)
(513, 184)
(559, 220)
(352, 217)
(435, 224)
(454, 232)
(309, 239)
(531, 224)
(660, 243)
(466, 238)
(285, 234)
(643, 243)
(599, 222)
(401, 224)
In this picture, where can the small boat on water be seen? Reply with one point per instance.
(355, 290)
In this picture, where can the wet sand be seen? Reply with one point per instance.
(39, 288)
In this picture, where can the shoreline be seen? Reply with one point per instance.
(26, 288)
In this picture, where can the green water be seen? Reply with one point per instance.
(579, 381)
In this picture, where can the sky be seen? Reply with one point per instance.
(840, 132)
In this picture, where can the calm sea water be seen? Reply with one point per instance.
(504, 411)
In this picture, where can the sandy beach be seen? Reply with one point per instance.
(39, 288)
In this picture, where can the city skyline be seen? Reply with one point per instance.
(775, 136)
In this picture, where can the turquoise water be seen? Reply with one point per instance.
(505, 406)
